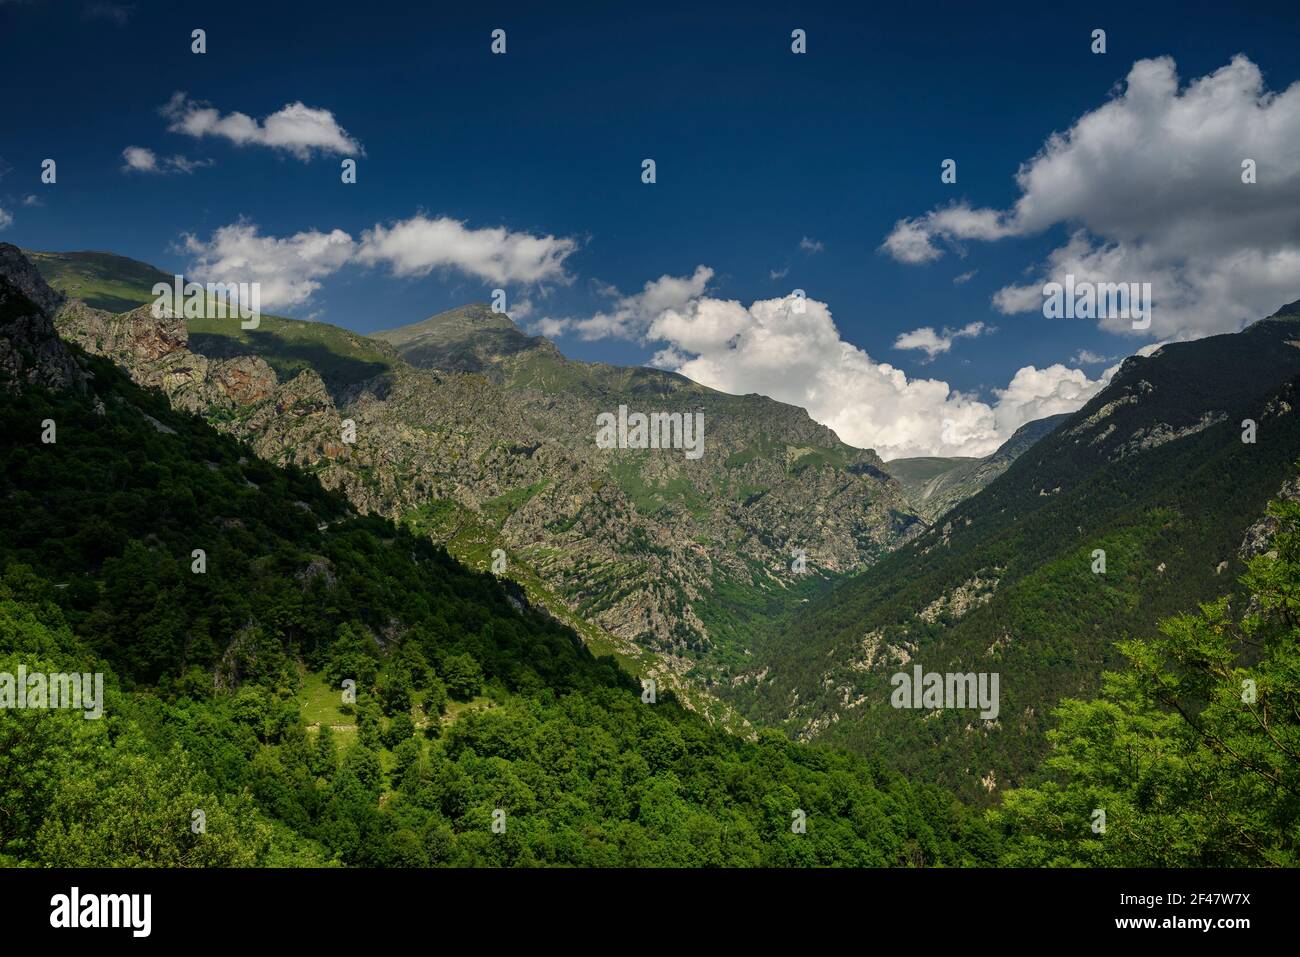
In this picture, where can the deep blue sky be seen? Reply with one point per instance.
(756, 148)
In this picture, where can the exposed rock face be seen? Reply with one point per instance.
(1157, 435)
(954, 604)
(30, 350)
(20, 272)
(494, 445)
(156, 351)
(247, 380)
(1259, 537)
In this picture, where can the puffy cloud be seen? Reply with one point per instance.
(909, 242)
(6, 218)
(287, 269)
(550, 327)
(790, 349)
(933, 343)
(631, 316)
(1086, 357)
(416, 246)
(295, 128)
(140, 159)
(290, 268)
(1036, 393)
(811, 246)
(798, 357)
(1151, 186)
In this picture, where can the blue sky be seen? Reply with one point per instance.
(756, 149)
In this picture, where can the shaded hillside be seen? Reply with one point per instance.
(471, 707)
(1153, 471)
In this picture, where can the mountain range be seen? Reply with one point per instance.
(482, 437)
(1034, 563)
(471, 432)
(1148, 500)
(227, 608)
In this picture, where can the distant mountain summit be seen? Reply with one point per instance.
(933, 485)
(469, 338)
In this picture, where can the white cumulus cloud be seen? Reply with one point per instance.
(140, 159)
(416, 246)
(295, 128)
(790, 349)
(290, 268)
(933, 343)
(287, 268)
(1150, 187)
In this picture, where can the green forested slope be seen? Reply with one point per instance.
(204, 710)
(1153, 471)
(1191, 757)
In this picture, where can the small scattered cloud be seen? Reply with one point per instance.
(811, 246)
(520, 310)
(1086, 357)
(964, 278)
(182, 164)
(934, 343)
(550, 327)
(298, 129)
(32, 200)
(6, 218)
(779, 273)
(141, 159)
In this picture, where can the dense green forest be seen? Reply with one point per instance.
(202, 710)
(215, 592)
(1170, 519)
(1193, 758)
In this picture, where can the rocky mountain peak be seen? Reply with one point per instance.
(19, 270)
(470, 338)
(30, 349)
